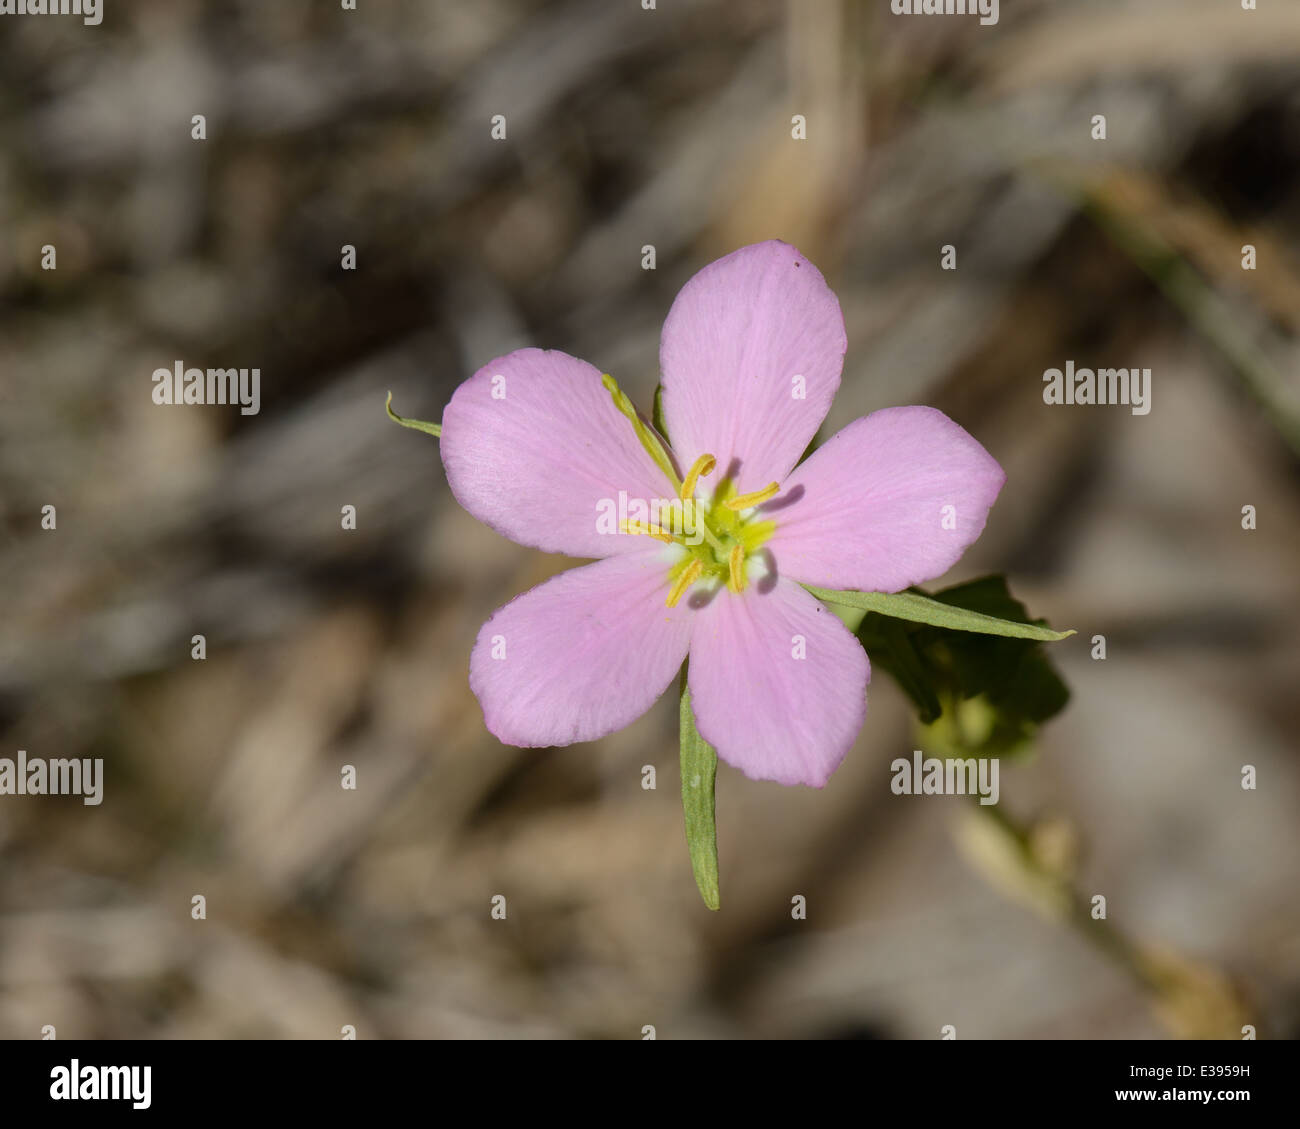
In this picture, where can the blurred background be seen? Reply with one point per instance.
(629, 128)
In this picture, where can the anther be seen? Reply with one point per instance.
(757, 498)
(640, 527)
(737, 565)
(702, 467)
(687, 578)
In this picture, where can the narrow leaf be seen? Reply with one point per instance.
(922, 609)
(434, 429)
(699, 771)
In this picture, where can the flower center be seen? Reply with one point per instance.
(730, 533)
(719, 535)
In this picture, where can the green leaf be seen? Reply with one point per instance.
(909, 670)
(976, 693)
(699, 772)
(1015, 676)
(920, 608)
(434, 429)
(989, 595)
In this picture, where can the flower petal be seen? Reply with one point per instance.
(737, 337)
(534, 447)
(582, 655)
(869, 508)
(767, 711)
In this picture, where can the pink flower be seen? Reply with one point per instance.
(539, 447)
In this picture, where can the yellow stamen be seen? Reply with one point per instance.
(684, 581)
(737, 562)
(703, 467)
(757, 498)
(645, 528)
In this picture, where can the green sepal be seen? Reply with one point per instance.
(434, 429)
(657, 415)
(646, 436)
